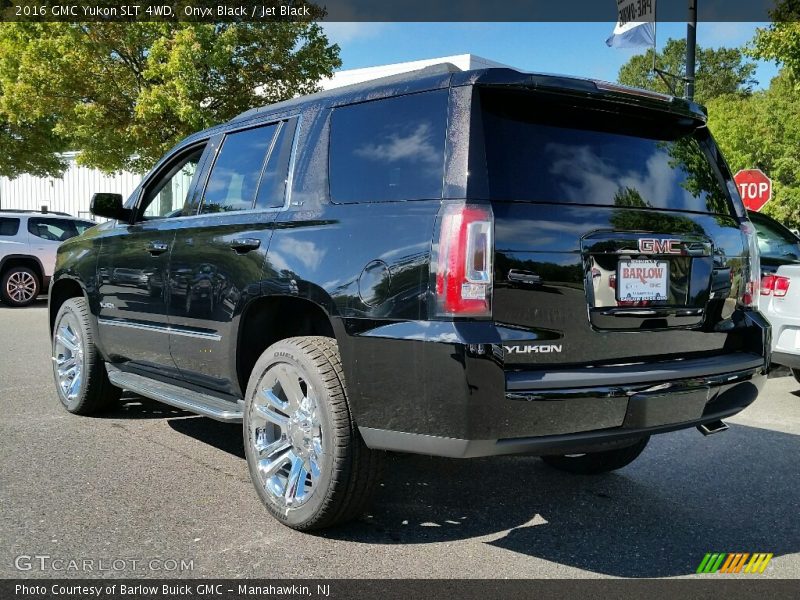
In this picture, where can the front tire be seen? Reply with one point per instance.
(20, 286)
(307, 460)
(592, 463)
(80, 373)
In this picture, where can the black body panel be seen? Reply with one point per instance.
(132, 296)
(211, 281)
(571, 301)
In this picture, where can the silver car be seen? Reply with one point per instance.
(780, 288)
(28, 243)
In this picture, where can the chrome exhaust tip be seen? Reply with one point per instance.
(712, 427)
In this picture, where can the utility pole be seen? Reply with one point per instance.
(691, 48)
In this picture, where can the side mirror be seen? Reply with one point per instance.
(109, 206)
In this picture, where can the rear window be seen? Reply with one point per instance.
(774, 240)
(389, 150)
(8, 227)
(540, 152)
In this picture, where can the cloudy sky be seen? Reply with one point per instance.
(569, 48)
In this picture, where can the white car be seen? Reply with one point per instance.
(780, 303)
(780, 288)
(28, 243)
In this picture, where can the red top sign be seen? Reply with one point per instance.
(755, 188)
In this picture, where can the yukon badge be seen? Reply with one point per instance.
(655, 246)
(531, 349)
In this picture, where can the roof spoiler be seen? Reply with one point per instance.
(587, 88)
(440, 68)
(607, 86)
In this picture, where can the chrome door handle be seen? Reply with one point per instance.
(245, 245)
(156, 248)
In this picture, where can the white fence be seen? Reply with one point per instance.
(70, 193)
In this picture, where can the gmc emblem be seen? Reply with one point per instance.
(654, 246)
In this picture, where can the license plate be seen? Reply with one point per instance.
(640, 280)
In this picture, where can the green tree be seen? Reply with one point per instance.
(780, 41)
(28, 144)
(124, 93)
(30, 147)
(719, 71)
(640, 220)
(763, 131)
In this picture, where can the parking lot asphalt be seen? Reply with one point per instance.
(150, 483)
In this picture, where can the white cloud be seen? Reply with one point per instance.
(416, 146)
(345, 32)
(714, 34)
(304, 251)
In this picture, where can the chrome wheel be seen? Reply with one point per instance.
(285, 436)
(68, 357)
(21, 286)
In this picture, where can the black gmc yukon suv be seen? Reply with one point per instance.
(451, 263)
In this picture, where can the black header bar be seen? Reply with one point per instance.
(378, 10)
(395, 589)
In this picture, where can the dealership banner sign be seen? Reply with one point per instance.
(636, 27)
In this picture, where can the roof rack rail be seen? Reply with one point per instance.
(34, 212)
(441, 69)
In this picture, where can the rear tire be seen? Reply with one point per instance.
(796, 373)
(592, 463)
(20, 286)
(309, 465)
(79, 370)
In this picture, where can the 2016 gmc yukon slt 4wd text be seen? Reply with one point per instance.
(451, 263)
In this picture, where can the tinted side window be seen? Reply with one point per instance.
(390, 149)
(8, 227)
(233, 182)
(540, 152)
(272, 188)
(54, 230)
(166, 196)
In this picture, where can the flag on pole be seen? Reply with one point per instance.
(635, 24)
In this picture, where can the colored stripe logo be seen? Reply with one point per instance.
(734, 562)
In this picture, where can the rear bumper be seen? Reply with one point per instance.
(659, 411)
(431, 388)
(785, 337)
(572, 443)
(786, 359)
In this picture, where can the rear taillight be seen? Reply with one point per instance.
(781, 287)
(775, 285)
(752, 278)
(463, 264)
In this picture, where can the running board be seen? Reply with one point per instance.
(195, 402)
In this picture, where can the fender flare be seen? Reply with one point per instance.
(8, 257)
